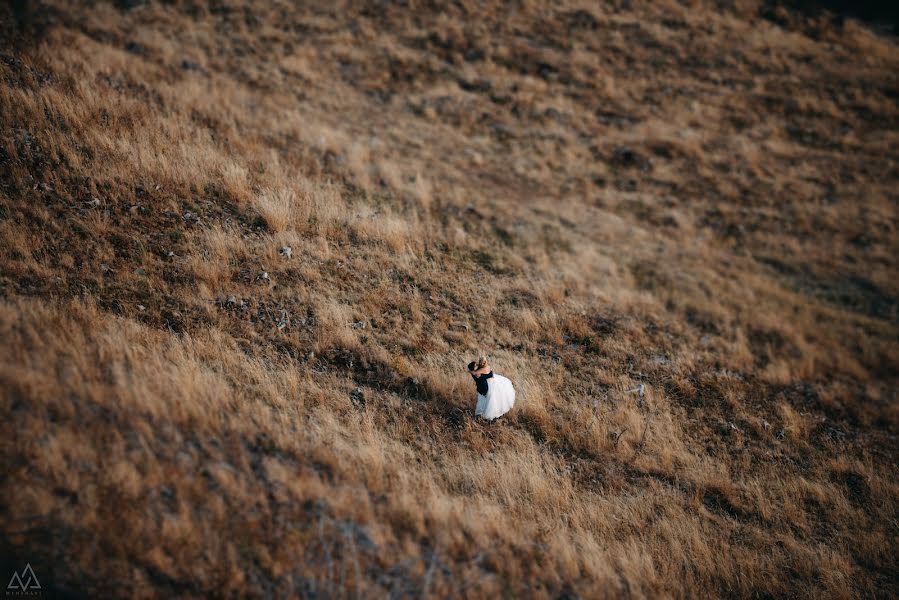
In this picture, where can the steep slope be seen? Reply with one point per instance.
(248, 248)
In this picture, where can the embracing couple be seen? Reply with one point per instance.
(496, 396)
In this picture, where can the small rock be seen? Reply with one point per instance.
(480, 85)
(231, 301)
(474, 55)
(140, 271)
(264, 276)
(358, 324)
(661, 359)
(141, 307)
(286, 251)
(624, 156)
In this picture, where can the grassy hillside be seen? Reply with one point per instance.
(247, 248)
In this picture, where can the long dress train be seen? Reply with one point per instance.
(499, 399)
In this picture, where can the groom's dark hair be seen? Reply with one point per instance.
(471, 366)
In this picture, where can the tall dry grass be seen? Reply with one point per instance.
(693, 199)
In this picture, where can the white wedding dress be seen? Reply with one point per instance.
(499, 400)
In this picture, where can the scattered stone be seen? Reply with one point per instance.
(474, 55)
(480, 85)
(547, 71)
(625, 157)
(286, 251)
(357, 396)
(358, 324)
(141, 307)
(661, 359)
(284, 321)
(106, 268)
(140, 271)
(640, 390)
(231, 301)
(135, 47)
(264, 276)
(189, 65)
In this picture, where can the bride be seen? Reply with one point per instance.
(496, 396)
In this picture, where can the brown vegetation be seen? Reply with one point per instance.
(246, 250)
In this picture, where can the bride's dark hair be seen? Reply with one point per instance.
(471, 366)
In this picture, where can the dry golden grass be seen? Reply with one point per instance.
(695, 199)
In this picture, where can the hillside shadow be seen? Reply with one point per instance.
(870, 11)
